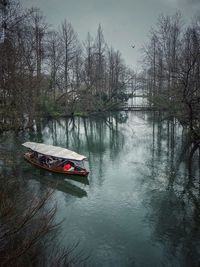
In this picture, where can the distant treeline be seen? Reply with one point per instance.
(50, 72)
(171, 69)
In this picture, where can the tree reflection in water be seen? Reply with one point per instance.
(93, 137)
(174, 203)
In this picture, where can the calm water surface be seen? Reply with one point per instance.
(140, 205)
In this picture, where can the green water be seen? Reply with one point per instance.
(140, 204)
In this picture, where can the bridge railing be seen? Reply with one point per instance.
(136, 107)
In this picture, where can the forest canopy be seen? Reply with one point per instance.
(171, 69)
(50, 72)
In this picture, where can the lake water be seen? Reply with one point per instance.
(140, 205)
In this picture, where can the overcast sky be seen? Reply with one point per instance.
(124, 22)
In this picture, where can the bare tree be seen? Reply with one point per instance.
(100, 63)
(69, 44)
(173, 66)
(54, 55)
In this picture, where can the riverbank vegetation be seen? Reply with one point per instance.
(171, 70)
(28, 226)
(50, 72)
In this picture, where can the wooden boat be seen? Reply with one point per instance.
(55, 159)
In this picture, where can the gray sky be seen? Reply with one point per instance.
(124, 22)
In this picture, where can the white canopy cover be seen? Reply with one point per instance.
(54, 151)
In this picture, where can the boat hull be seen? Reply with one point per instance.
(53, 168)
